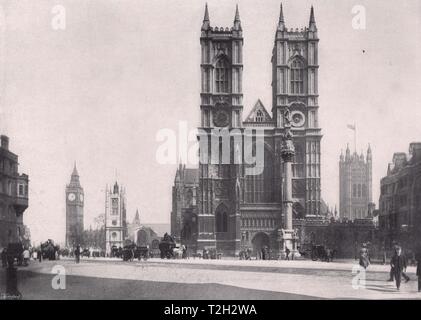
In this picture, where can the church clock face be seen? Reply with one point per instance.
(71, 197)
(298, 119)
(81, 198)
(221, 118)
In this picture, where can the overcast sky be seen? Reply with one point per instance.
(99, 91)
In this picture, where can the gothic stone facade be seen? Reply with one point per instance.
(184, 206)
(13, 196)
(400, 200)
(74, 210)
(115, 217)
(234, 208)
(355, 185)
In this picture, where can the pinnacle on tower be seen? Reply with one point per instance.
(237, 21)
(75, 173)
(347, 152)
(206, 21)
(137, 217)
(369, 153)
(74, 179)
(281, 24)
(312, 23)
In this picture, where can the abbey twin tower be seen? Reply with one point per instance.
(221, 204)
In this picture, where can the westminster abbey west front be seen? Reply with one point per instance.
(219, 205)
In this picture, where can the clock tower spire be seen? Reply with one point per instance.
(74, 210)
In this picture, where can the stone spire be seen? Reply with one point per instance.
(347, 153)
(136, 220)
(281, 23)
(115, 188)
(206, 21)
(237, 21)
(312, 23)
(75, 173)
(369, 155)
(341, 157)
(74, 180)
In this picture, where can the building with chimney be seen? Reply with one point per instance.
(13, 196)
(400, 199)
(222, 204)
(115, 217)
(74, 210)
(355, 185)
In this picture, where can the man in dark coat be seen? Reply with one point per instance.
(77, 253)
(398, 263)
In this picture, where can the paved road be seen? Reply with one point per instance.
(211, 279)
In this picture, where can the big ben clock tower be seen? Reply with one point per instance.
(74, 210)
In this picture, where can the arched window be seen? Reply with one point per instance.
(359, 190)
(221, 219)
(189, 197)
(297, 76)
(354, 190)
(222, 76)
(259, 188)
(259, 116)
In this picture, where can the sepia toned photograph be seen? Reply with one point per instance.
(219, 150)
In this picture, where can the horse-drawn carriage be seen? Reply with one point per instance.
(132, 251)
(116, 252)
(170, 249)
(317, 252)
(166, 246)
(49, 250)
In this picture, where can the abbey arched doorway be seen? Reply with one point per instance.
(260, 240)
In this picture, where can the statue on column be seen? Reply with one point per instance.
(287, 148)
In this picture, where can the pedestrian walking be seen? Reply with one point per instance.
(26, 256)
(77, 254)
(39, 254)
(287, 251)
(364, 257)
(398, 263)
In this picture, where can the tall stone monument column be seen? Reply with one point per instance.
(287, 234)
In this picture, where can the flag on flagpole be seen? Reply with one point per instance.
(351, 126)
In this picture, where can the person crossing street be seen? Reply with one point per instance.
(399, 264)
